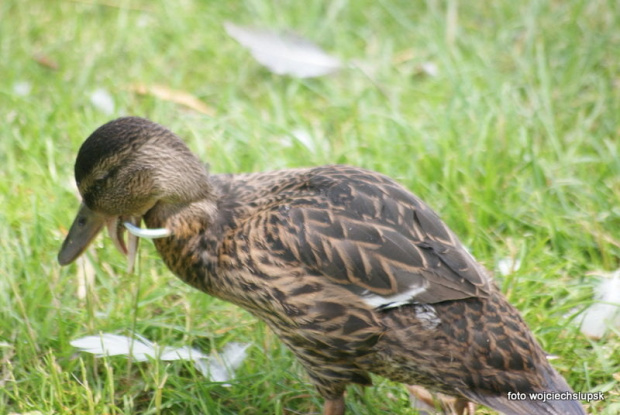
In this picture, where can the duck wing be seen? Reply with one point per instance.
(367, 233)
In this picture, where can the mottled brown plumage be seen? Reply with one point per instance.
(354, 273)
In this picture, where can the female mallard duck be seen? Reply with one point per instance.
(354, 273)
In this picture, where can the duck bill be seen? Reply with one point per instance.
(85, 227)
(87, 224)
(117, 228)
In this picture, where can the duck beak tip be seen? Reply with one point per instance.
(85, 227)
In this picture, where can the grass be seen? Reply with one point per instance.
(514, 141)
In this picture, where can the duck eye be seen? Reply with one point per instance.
(98, 184)
(102, 178)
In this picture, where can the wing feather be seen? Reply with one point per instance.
(366, 232)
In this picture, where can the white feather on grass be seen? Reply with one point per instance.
(605, 312)
(22, 88)
(218, 367)
(508, 266)
(221, 367)
(284, 54)
(103, 101)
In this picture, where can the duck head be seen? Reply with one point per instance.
(124, 169)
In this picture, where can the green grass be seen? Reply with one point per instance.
(514, 142)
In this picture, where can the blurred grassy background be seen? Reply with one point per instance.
(512, 136)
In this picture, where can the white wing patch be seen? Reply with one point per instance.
(425, 313)
(392, 301)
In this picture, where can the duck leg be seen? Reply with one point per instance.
(334, 406)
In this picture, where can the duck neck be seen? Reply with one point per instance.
(190, 249)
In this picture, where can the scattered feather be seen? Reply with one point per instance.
(173, 95)
(605, 312)
(22, 88)
(169, 354)
(507, 266)
(429, 69)
(219, 367)
(304, 137)
(284, 54)
(103, 101)
(108, 344)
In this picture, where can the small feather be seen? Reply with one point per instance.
(429, 69)
(182, 353)
(606, 311)
(103, 101)
(284, 54)
(304, 138)
(147, 233)
(22, 88)
(219, 367)
(107, 344)
(508, 266)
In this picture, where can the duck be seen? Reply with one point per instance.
(356, 275)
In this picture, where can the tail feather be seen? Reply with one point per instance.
(533, 402)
